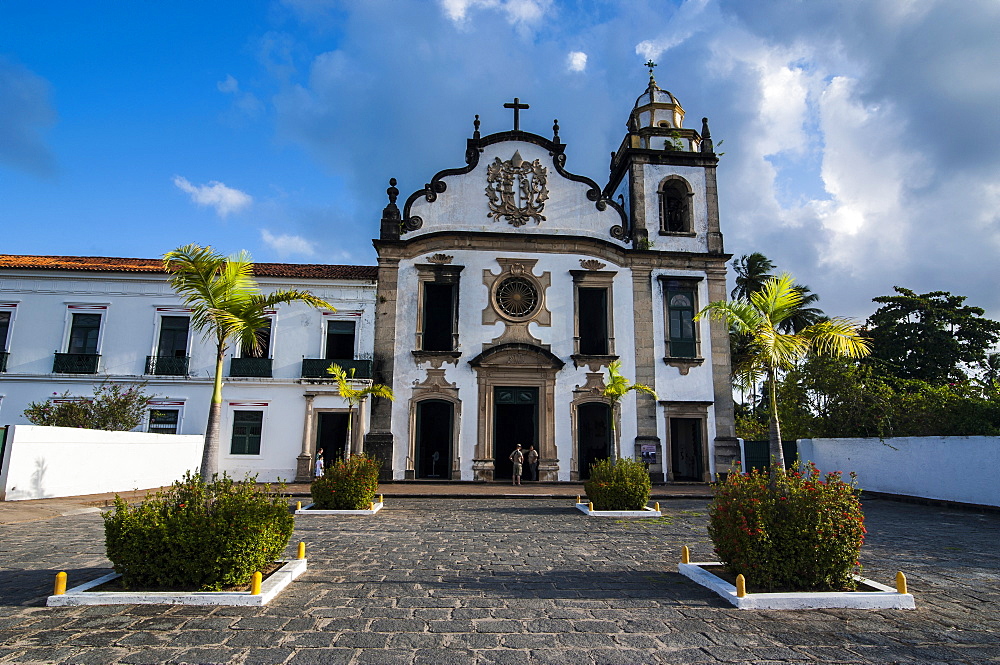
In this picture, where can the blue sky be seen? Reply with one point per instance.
(862, 139)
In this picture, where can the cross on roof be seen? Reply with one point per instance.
(517, 106)
(649, 63)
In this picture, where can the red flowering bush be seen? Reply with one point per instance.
(197, 535)
(790, 531)
(347, 484)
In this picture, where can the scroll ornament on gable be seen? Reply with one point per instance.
(516, 190)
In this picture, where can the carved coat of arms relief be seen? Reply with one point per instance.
(516, 190)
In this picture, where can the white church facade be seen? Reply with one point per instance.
(504, 289)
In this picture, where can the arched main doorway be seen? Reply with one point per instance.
(434, 431)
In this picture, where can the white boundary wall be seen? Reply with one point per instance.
(46, 462)
(950, 468)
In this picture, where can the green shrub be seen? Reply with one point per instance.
(793, 531)
(197, 535)
(347, 485)
(113, 407)
(624, 485)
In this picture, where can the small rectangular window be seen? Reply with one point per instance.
(439, 317)
(163, 421)
(680, 306)
(84, 332)
(593, 321)
(340, 340)
(173, 337)
(247, 427)
(4, 329)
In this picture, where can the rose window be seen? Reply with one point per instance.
(516, 297)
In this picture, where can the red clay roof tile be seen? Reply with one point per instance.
(117, 264)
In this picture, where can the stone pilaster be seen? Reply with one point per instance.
(645, 353)
(726, 445)
(379, 441)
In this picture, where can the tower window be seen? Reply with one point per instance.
(675, 206)
(682, 342)
(439, 316)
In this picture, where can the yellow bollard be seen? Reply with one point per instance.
(302, 551)
(371, 506)
(656, 506)
(685, 555)
(255, 584)
(60, 587)
(741, 586)
(298, 505)
(590, 506)
(900, 582)
(578, 499)
(381, 499)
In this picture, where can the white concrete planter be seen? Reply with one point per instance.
(877, 597)
(645, 512)
(309, 510)
(269, 588)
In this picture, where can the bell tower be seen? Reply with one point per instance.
(663, 174)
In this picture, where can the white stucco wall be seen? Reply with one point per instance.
(951, 468)
(44, 462)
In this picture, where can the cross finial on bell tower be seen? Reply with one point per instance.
(649, 63)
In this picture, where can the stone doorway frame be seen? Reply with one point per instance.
(522, 366)
(435, 387)
(691, 410)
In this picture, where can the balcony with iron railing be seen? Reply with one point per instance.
(250, 367)
(76, 363)
(167, 365)
(315, 368)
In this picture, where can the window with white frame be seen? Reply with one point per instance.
(164, 416)
(248, 428)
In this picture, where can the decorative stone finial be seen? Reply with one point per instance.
(475, 124)
(555, 130)
(392, 191)
(706, 137)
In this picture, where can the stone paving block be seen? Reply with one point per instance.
(141, 639)
(446, 657)
(267, 656)
(312, 640)
(94, 656)
(383, 657)
(529, 641)
(98, 638)
(203, 656)
(250, 638)
(503, 657)
(322, 657)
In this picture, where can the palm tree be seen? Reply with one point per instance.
(226, 305)
(354, 396)
(752, 272)
(804, 315)
(615, 389)
(772, 351)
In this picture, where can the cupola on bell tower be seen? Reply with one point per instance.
(663, 174)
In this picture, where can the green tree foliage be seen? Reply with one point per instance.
(347, 484)
(621, 485)
(226, 305)
(197, 535)
(113, 407)
(930, 337)
(774, 352)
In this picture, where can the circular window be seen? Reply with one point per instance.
(516, 297)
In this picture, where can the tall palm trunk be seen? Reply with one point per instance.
(210, 452)
(774, 428)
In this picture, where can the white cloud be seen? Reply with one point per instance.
(576, 61)
(225, 200)
(518, 12)
(229, 86)
(688, 20)
(287, 244)
(24, 112)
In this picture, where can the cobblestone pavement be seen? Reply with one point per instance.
(513, 581)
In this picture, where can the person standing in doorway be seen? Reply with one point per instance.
(517, 458)
(532, 461)
(319, 462)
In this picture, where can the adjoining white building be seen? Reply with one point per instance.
(507, 286)
(68, 323)
(504, 289)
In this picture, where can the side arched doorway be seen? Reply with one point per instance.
(593, 435)
(434, 431)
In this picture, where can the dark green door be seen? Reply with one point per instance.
(515, 420)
